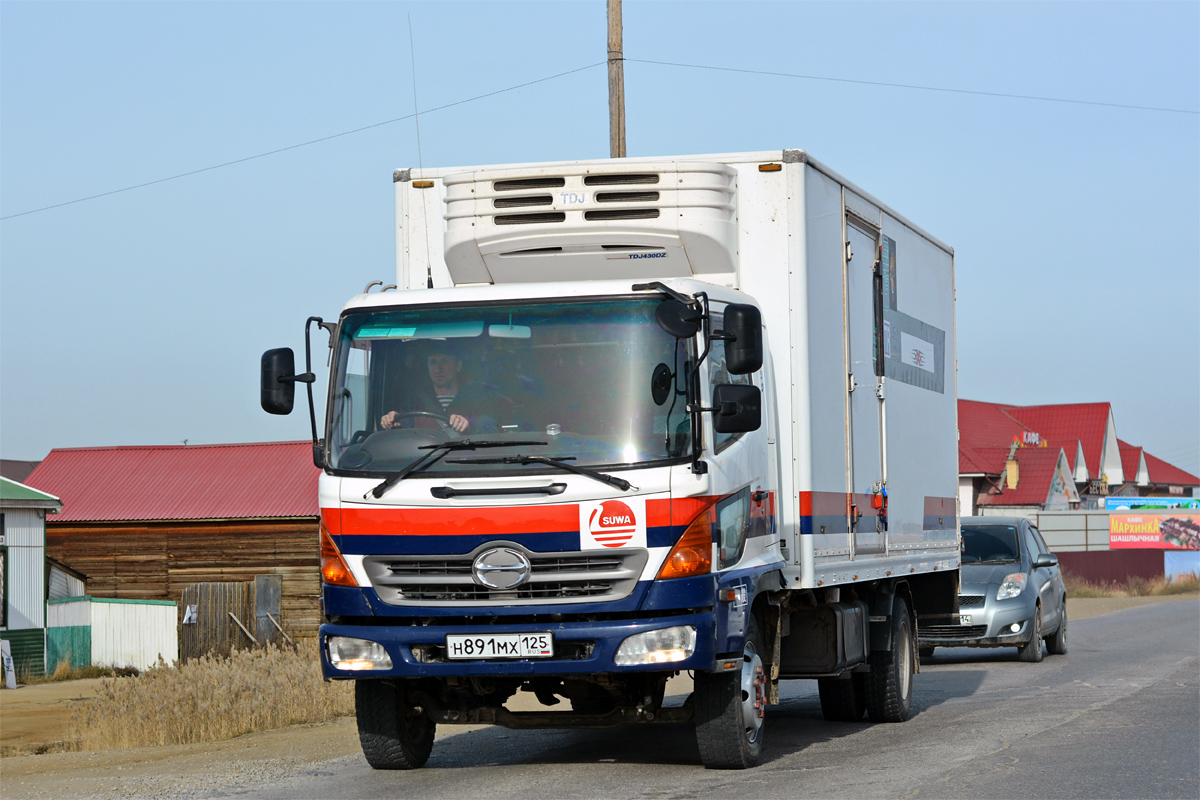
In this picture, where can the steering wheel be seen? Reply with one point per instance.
(442, 418)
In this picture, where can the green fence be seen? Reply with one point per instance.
(71, 644)
(28, 651)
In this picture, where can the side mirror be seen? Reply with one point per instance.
(1045, 560)
(744, 347)
(736, 408)
(679, 320)
(277, 383)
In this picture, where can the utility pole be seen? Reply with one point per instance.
(616, 83)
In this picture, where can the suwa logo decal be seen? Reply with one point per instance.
(613, 523)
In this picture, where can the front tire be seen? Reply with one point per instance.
(889, 683)
(1057, 644)
(394, 732)
(1031, 651)
(730, 708)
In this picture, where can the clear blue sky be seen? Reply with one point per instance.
(139, 318)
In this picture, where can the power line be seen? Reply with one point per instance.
(592, 66)
(914, 86)
(304, 144)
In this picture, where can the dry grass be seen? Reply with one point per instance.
(65, 672)
(1135, 586)
(209, 699)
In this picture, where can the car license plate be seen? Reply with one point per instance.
(499, 645)
(964, 619)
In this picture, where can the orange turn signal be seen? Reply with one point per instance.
(692, 554)
(334, 569)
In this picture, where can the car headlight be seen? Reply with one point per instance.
(1012, 585)
(356, 654)
(657, 647)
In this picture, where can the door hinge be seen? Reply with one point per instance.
(851, 384)
(849, 252)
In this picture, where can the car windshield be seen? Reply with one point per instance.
(563, 380)
(990, 544)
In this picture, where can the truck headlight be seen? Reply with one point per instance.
(356, 654)
(1012, 585)
(657, 647)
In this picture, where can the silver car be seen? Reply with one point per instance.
(1012, 592)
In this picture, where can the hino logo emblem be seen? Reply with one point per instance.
(501, 568)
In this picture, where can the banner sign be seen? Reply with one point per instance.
(1150, 503)
(1157, 529)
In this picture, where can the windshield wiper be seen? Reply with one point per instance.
(435, 453)
(559, 462)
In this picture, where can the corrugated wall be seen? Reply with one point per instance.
(133, 634)
(28, 650)
(25, 539)
(69, 632)
(156, 561)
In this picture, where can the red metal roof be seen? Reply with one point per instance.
(985, 432)
(1087, 422)
(1131, 459)
(221, 481)
(1164, 474)
(1036, 467)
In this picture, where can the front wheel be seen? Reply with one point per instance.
(1031, 651)
(889, 683)
(1057, 644)
(395, 733)
(730, 708)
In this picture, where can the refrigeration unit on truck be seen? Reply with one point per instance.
(626, 419)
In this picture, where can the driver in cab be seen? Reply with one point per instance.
(450, 397)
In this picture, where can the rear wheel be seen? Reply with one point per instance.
(394, 732)
(730, 708)
(1057, 644)
(1031, 651)
(889, 683)
(843, 699)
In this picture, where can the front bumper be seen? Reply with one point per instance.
(990, 625)
(580, 648)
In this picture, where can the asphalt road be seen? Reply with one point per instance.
(1119, 716)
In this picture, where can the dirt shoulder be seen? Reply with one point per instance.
(1083, 607)
(34, 718)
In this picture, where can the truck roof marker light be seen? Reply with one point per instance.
(692, 554)
(422, 184)
(334, 570)
(770, 167)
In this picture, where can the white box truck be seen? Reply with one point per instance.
(622, 419)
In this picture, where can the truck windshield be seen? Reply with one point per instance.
(574, 375)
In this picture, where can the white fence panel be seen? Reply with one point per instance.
(134, 633)
(74, 613)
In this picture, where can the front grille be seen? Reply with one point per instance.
(953, 631)
(588, 577)
(970, 600)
